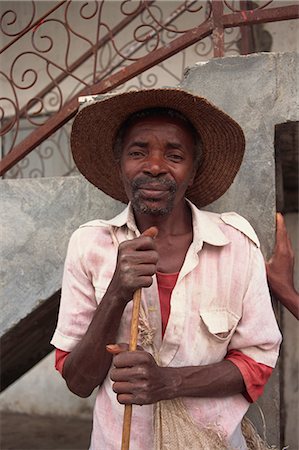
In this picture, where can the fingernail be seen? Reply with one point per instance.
(111, 347)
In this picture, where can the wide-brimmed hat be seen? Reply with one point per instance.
(96, 125)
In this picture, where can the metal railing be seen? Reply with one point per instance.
(76, 49)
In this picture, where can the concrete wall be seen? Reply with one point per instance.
(259, 91)
(37, 219)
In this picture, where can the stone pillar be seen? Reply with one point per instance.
(259, 91)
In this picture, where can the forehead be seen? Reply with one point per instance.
(159, 125)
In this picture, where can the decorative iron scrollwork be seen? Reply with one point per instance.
(49, 56)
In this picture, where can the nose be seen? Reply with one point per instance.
(155, 165)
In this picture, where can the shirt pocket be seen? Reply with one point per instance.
(219, 325)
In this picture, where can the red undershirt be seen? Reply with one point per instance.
(255, 374)
(166, 283)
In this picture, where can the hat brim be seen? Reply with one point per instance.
(95, 127)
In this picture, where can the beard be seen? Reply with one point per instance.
(141, 205)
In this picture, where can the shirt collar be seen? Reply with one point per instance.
(205, 227)
(126, 217)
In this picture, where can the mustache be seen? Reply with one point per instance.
(148, 180)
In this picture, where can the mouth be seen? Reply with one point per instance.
(153, 191)
(153, 196)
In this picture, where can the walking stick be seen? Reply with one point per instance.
(125, 443)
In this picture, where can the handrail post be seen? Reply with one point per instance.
(245, 30)
(218, 30)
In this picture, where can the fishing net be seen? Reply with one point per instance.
(253, 439)
(174, 429)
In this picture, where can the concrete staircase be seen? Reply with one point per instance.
(38, 217)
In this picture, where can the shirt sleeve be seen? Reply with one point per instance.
(257, 334)
(255, 375)
(78, 301)
(60, 357)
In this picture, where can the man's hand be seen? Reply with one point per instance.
(137, 378)
(281, 264)
(136, 264)
(280, 268)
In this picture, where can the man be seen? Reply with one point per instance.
(208, 336)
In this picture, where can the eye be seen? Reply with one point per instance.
(175, 157)
(136, 150)
(135, 154)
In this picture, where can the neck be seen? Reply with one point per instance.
(178, 221)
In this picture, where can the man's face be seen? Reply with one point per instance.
(157, 164)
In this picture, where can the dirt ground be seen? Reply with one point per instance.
(27, 432)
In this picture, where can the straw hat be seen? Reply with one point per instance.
(96, 125)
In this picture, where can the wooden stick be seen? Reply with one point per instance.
(125, 444)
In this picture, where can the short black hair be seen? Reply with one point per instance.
(153, 112)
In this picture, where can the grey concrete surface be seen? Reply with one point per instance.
(259, 91)
(38, 217)
(30, 432)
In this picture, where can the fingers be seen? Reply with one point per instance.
(128, 374)
(281, 231)
(115, 349)
(131, 253)
(282, 238)
(151, 232)
(129, 377)
(131, 385)
(283, 246)
(129, 398)
(136, 378)
(143, 242)
(138, 244)
(130, 366)
(132, 358)
(280, 266)
(136, 264)
(127, 256)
